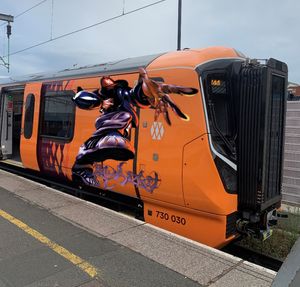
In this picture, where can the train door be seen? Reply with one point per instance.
(10, 123)
(6, 125)
(30, 124)
(161, 145)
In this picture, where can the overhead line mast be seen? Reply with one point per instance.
(179, 25)
(8, 19)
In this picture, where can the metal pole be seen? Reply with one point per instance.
(8, 18)
(8, 46)
(8, 31)
(179, 25)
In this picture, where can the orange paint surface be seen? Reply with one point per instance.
(28, 146)
(207, 228)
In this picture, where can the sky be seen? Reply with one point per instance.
(259, 28)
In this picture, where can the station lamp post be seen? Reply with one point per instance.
(8, 19)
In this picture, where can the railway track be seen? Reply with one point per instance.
(131, 206)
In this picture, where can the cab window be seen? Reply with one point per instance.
(220, 108)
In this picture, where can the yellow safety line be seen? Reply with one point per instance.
(82, 264)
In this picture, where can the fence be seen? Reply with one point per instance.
(291, 172)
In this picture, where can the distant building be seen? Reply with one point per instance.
(293, 92)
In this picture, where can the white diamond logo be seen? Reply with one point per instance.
(157, 130)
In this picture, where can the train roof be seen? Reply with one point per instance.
(122, 66)
(187, 58)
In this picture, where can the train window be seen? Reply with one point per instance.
(220, 112)
(58, 115)
(219, 101)
(29, 112)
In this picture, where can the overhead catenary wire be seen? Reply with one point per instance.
(85, 28)
(29, 9)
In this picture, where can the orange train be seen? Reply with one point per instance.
(205, 164)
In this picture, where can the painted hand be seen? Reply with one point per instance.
(106, 104)
(158, 96)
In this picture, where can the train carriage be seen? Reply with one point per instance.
(209, 176)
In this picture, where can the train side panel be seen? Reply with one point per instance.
(62, 125)
(180, 153)
(190, 197)
(30, 125)
(118, 176)
(56, 155)
(160, 148)
(208, 228)
(203, 188)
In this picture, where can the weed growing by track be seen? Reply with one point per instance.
(285, 234)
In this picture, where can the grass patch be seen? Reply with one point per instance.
(285, 234)
(290, 224)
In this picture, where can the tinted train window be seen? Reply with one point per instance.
(58, 115)
(219, 100)
(220, 110)
(29, 112)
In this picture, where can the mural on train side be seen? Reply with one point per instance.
(111, 140)
(140, 180)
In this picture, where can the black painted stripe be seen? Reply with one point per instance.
(136, 140)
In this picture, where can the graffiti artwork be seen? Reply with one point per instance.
(117, 102)
(140, 180)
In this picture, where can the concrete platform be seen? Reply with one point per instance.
(124, 251)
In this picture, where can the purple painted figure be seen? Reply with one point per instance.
(117, 100)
